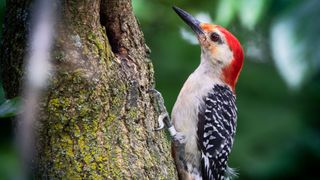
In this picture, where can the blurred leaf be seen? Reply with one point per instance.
(226, 12)
(143, 10)
(10, 107)
(188, 35)
(294, 43)
(251, 11)
(9, 166)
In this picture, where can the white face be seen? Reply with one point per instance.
(214, 47)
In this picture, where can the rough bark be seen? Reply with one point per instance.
(96, 117)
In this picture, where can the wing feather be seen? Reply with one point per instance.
(216, 128)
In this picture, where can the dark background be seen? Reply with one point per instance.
(278, 92)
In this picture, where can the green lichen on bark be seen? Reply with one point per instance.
(92, 135)
(96, 118)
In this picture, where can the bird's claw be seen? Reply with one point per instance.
(160, 107)
(164, 119)
(158, 101)
(160, 121)
(177, 137)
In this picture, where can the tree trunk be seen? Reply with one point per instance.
(96, 117)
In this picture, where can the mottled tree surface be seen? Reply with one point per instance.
(96, 117)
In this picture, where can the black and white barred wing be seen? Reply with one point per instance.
(216, 129)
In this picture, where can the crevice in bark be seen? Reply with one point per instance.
(97, 118)
(122, 29)
(13, 44)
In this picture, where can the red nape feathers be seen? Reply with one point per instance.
(232, 71)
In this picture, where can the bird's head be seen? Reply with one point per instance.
(219, 48)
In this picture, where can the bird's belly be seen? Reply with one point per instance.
(185, 120)
(186, 109)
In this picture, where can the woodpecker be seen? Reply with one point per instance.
(204, 117)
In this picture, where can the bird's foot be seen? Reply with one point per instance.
(164, 119)
(160, 121)
(158, 101)
(160, 107)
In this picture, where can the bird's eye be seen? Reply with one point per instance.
(215, 37)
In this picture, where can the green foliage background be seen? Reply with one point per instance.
(278, 126)
(278, 133)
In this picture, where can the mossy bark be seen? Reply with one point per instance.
(96, 117)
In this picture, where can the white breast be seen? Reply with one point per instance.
(185, 110)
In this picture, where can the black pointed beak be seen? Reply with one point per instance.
(190, 20)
